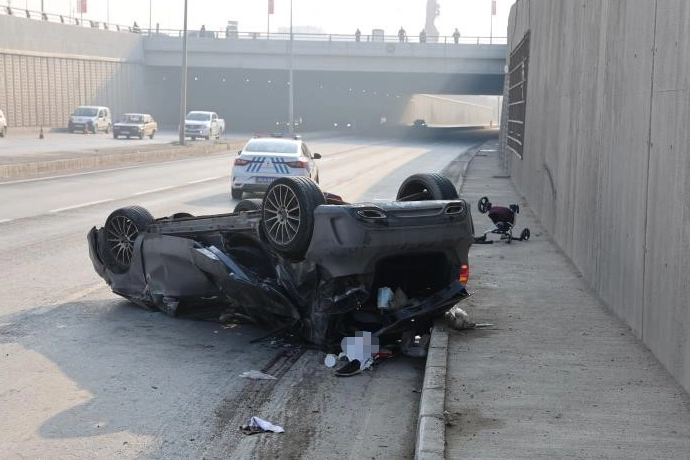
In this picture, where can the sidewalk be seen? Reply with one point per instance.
(558, 376)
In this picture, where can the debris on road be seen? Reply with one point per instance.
(457, 318)
(259, 425)
(257, 375)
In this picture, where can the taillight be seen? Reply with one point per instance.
(464, 274)
(297, 164)
(241, 162)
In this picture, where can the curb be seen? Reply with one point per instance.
(431, 428)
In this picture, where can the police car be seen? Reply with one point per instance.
(267, 158)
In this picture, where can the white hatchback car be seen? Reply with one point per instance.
(264, 159)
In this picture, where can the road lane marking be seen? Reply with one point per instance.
(208, 179)
(153, 190)
(81, 205)
(2, 221)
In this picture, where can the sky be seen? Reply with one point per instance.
(471, 17)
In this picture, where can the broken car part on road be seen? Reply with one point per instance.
(298, 260)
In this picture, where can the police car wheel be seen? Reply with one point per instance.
(426, 186)
(287, 214)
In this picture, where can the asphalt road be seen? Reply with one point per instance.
(85, 374)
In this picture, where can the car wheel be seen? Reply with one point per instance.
(250, 204)
(94, 128)
(141, 135)
(121, 229)
(208, 138)
(107, 129)
(152, 134)
(3, 133)
(483, 205)
(236, 193)
(287, 215)
(115, 136)
(509, 238)
(524, 236)
(426, 186)
(192, 138)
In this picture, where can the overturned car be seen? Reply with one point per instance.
(298, 260)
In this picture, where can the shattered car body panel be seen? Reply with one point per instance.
(247, 263)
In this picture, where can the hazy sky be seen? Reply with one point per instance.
(471, 17)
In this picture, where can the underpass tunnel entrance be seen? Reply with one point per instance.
(452, 111)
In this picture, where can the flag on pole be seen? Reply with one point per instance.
(270, 6)
(493, 7)
(81, 7)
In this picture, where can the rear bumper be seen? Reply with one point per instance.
(352, 239)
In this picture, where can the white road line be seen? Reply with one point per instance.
(208, 179)
(153, 190)
(81, 205)
(2, 221)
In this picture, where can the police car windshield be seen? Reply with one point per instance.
(272, 146)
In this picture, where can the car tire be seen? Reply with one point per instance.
(524, 236)
(426, 186)
(3, 132)
(152, 134)
(250, 204)
(121, 230)
(192, 138)
(107, 129)
(94, 128)
(141, 135)
(236, 193)
(287, 215)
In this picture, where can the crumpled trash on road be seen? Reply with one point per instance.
(259, 425)
(457, 318)
(257, 375)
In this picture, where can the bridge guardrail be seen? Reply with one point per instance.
(233, 34)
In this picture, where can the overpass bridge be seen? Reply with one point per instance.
(49, 68)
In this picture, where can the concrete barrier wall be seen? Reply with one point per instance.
(75, 66)
(605, 163)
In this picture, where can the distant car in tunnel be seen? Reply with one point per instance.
(419, 124)
(344, 124)
(265, 159)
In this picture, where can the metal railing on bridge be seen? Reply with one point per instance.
(233, 34)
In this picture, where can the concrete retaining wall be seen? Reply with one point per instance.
(75, 66)
(605, 163)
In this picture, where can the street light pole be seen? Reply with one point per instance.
(183, 95)
(149, 17)
(291, 113)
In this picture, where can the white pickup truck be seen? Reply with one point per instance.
(204, 124)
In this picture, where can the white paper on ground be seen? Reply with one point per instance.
(265, 425)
